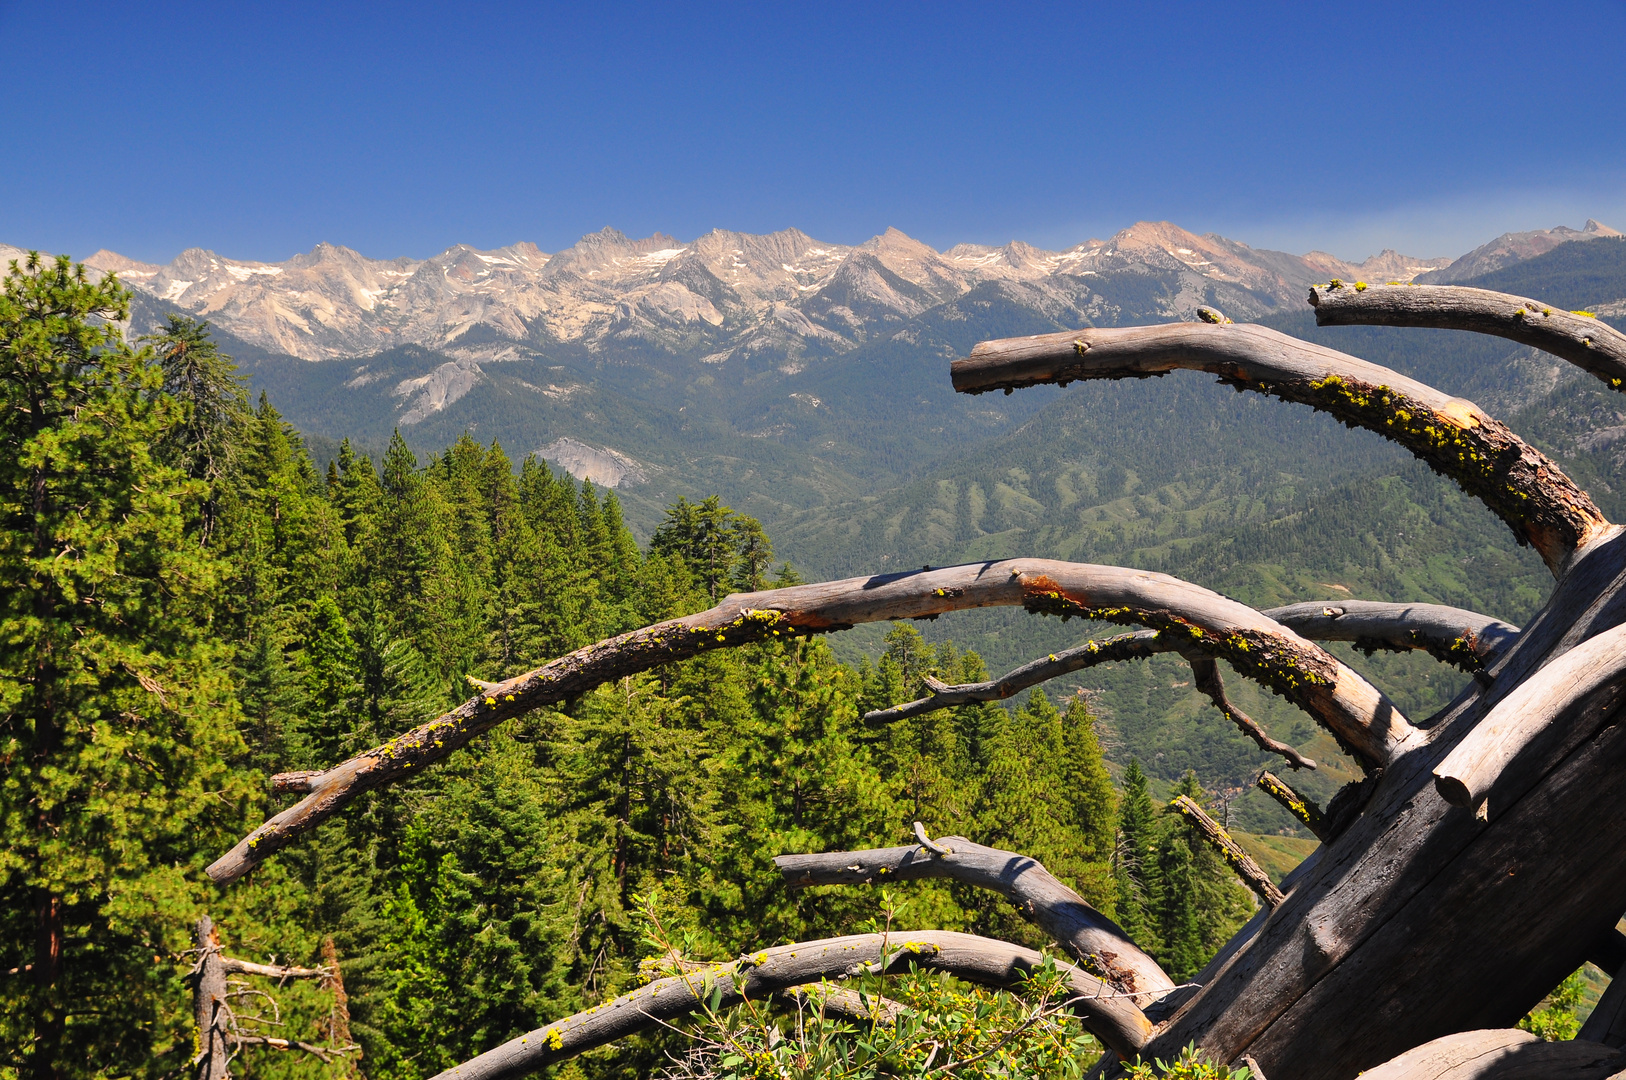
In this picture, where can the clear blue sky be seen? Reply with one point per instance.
(402, 128)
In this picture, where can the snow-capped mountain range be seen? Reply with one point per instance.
(723, 294)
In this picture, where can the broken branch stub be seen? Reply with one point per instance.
(1362, 719)
(1531, 723)
(1090, 936)
(1111, 1017)
(1521, 485)
(1585, 341)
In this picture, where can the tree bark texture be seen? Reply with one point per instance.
(760, 975)
(1363, 720)
(1502, 1054)
(1587, 342)
(1214, 834)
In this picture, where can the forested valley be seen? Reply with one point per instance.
(190, 604)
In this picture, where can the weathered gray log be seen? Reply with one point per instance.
(1501, 1054)
(1112, 1019)
(1530, 722)
(1364, 721)
(1522, 486)
(1587, 342)
(827, 1000)
(1205, 672)
(1088, 935)
(209, 1006)
(1214, 834)
(1302, 808)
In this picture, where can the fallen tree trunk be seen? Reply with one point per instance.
(1111, 1018)
(1091, 937)
(1363, 720)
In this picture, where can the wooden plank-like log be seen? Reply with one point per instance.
(1111, 1018)
(1589, 343)
(1088, 935)
(1364, 721)
(209, 1008)
(1530, 724)
(1214, 834)
(1501, 1054)
(1522, 486)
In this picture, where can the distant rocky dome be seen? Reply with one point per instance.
(735, 293)
(1511, 248)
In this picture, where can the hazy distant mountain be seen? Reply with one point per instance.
(1510, 248)
(727, 294)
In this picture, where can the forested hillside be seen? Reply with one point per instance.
(191, 604)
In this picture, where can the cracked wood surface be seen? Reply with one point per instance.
(1589, 343)
(1111, 1018)
(1365, 722)
(1521, 485)
(1502, 1054)
(1090, 936)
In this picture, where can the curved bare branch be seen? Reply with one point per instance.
(1587, 342)
(1207, 676)
(1090, 936)
(1501, 1054)
(1252, 875)
(1365, 721)
(1110, 1017)
(1521, 485)
(1530, 719)
(1467, 639)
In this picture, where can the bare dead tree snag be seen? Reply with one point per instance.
(1363, 720)
(209, 1007)
(1214, 834)
(1502, 1054)
(1584, 340)
(761, 975)
(1092, 938)
(1294, 803)
(1518, 483)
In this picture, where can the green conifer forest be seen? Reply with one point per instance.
(189, 605)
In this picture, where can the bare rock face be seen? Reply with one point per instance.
(604, 467)
(721, 295)
(1510, 248)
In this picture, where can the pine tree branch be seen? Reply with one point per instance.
(1587, 342)
(1362, 719)
(1522, 486)
(1092, 938)
(1108, 1015)
(1215, 835)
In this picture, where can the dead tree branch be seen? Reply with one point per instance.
(209, 1007)
(1206, 674)
(1522, 486)
(1091, 937)
(1587, 342)
(1364, 721)
(271, 971)
(1252, 875)
(1501, 1054)
(1465, 639)
(1527, 723)
(1109, 1016)
(1294, 803)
